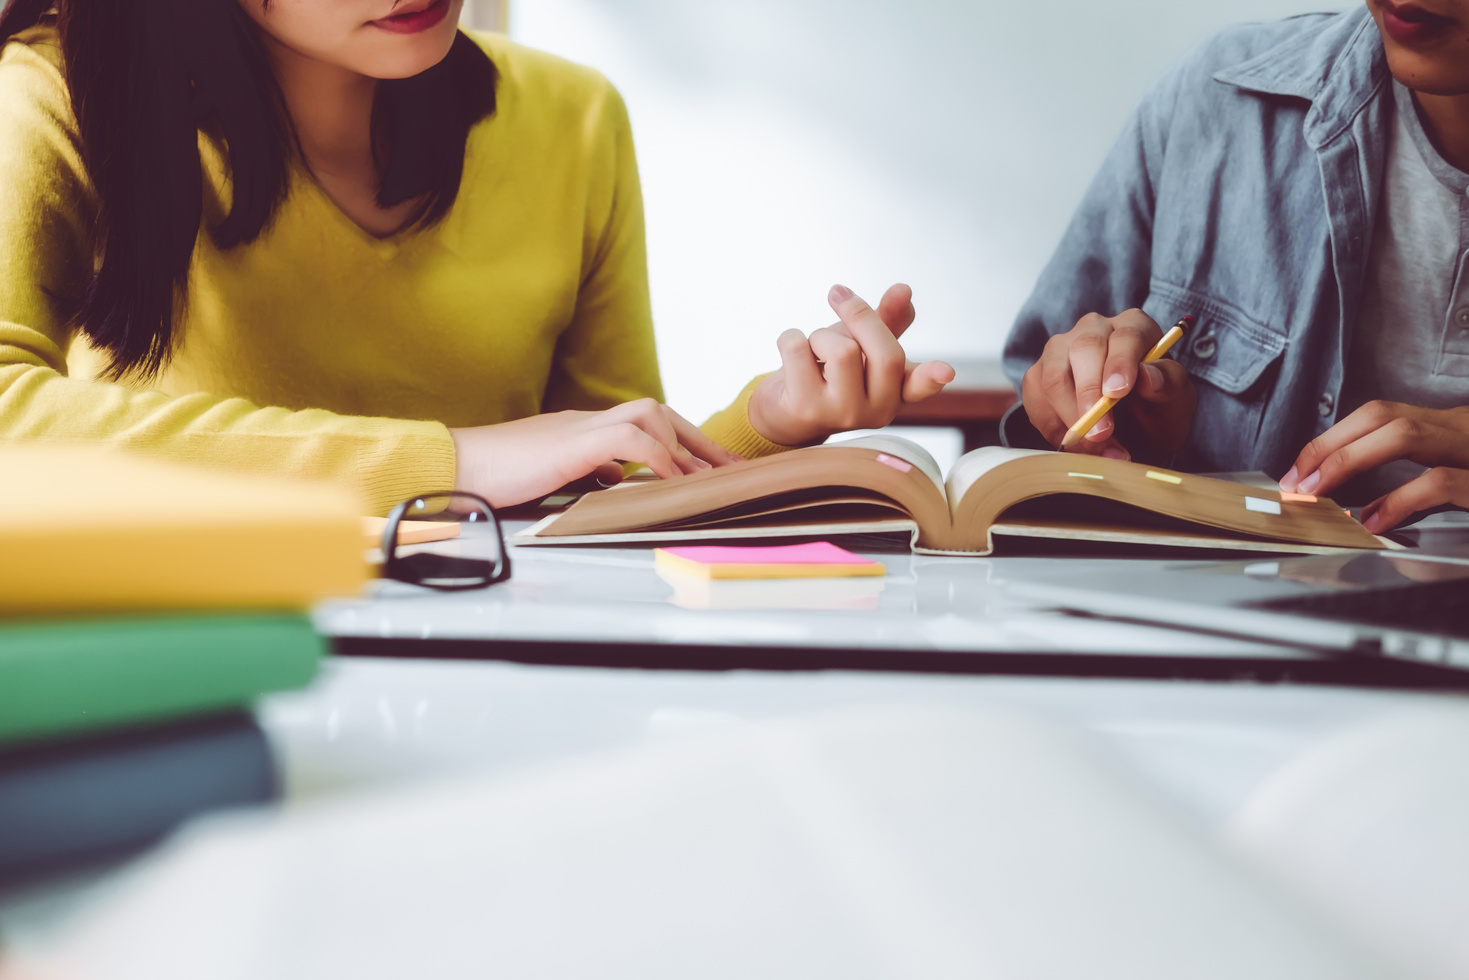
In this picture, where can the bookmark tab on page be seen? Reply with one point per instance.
(902, 466)
(1262, 506)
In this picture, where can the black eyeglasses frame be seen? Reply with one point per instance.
(396, 566)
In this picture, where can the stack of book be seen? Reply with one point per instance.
(143, 608)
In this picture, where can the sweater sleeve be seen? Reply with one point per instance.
(47, 249)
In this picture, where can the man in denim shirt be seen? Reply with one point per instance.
(1248, 190)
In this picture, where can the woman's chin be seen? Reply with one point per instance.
(403, 57)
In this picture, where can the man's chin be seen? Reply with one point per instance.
(1430, 76)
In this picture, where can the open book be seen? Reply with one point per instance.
(883, 484)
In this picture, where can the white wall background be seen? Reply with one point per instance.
(789, 144)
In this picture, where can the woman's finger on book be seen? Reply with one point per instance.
(692, 437)
(656, 420)
(1439, 486)
(884, 355)
(628, 441)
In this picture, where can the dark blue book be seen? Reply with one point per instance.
(72, 803)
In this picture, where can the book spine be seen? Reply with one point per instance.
(64, 677)
(71, 804)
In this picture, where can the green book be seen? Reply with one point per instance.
(68, 676)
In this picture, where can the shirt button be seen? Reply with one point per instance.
(1326, 404)
(1205, 347)
(1461, 317)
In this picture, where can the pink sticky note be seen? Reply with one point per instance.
(902, 466)
(1297, 498)
(815, 553)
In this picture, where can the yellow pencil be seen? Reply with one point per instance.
(1104, 404)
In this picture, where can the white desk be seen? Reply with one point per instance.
(368, 722)
(1203, 745)
(1208, 750)
(610, 607)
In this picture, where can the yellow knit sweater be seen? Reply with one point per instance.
(318, 350)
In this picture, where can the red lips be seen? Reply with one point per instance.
(415, 17)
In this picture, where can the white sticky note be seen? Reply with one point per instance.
(1262, 506)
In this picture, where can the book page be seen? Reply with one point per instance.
(908, 452)
(975, 464)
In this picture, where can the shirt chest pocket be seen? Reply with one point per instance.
(1236, 359)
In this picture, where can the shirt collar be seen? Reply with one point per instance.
(1339, 70)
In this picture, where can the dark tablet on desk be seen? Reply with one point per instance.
(1403, 606)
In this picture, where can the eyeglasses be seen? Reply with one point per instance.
(448, 541)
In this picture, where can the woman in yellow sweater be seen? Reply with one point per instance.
(342, 239)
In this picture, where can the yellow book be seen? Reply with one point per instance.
(88, 528)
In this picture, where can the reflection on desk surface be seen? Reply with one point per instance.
(607, 595)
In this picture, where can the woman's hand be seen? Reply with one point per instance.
(513, 462)
(1104, 356)
(1378, 433)
(850, 375)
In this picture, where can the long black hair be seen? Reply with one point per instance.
(145, 77)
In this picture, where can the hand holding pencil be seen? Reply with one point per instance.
(1103, 405)
(1073, 391)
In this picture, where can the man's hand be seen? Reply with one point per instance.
(850, 375)
(1103, 356)
(1378, 433)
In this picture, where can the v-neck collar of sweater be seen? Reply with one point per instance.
(386, 247)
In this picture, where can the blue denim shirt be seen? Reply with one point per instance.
(1242, 191)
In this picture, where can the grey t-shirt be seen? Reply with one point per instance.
(1412, 342)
